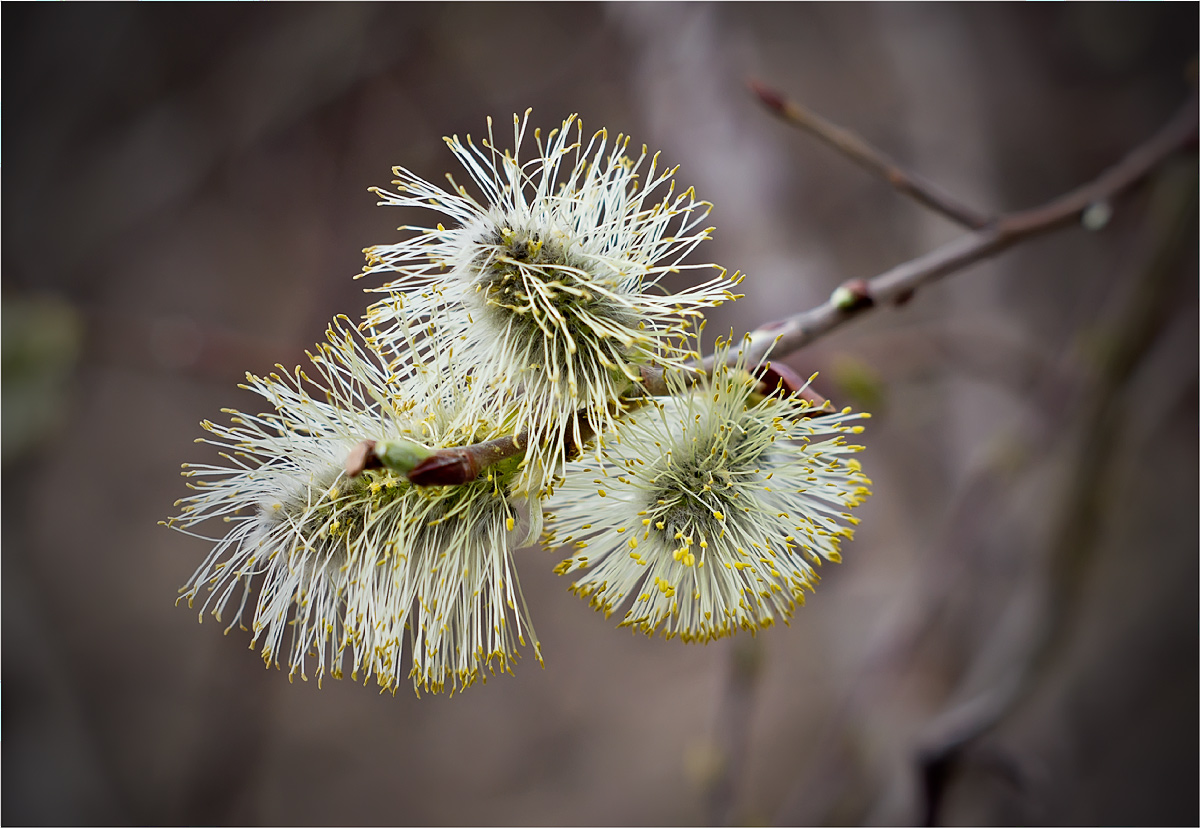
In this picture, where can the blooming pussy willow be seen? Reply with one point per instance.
(717, 505)
(550, 287)
(349, 566)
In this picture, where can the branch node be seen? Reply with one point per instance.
(1097, 215)
(852, 296)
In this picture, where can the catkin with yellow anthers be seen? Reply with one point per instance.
(721, 475)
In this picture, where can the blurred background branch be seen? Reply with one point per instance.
(925, 193)
(898, 285)
(1092, 429)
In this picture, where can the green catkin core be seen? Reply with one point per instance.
(691, 491)
(533, 288)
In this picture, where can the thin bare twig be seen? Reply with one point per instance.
(865, 155)
(456, 466)
(897, 286)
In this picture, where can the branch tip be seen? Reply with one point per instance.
(858, 150)
(360, 458)
(771, 97)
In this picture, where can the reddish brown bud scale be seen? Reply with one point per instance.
(449, 467)
(778, 375)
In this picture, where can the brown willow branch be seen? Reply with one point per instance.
(860, 152)
(897, 286)
(455, 466)
(444, 467)
(460, 464)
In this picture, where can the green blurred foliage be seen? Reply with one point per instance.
(858, 384)
(42, 339)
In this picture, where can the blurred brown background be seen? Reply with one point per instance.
(185, 199)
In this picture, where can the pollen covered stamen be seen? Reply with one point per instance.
(337, 568)
(747, 495)
(549, 288)
(536, 290)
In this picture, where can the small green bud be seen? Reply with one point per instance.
(1096, 216)
(852, 295)
(842, 298)
(401, 455)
